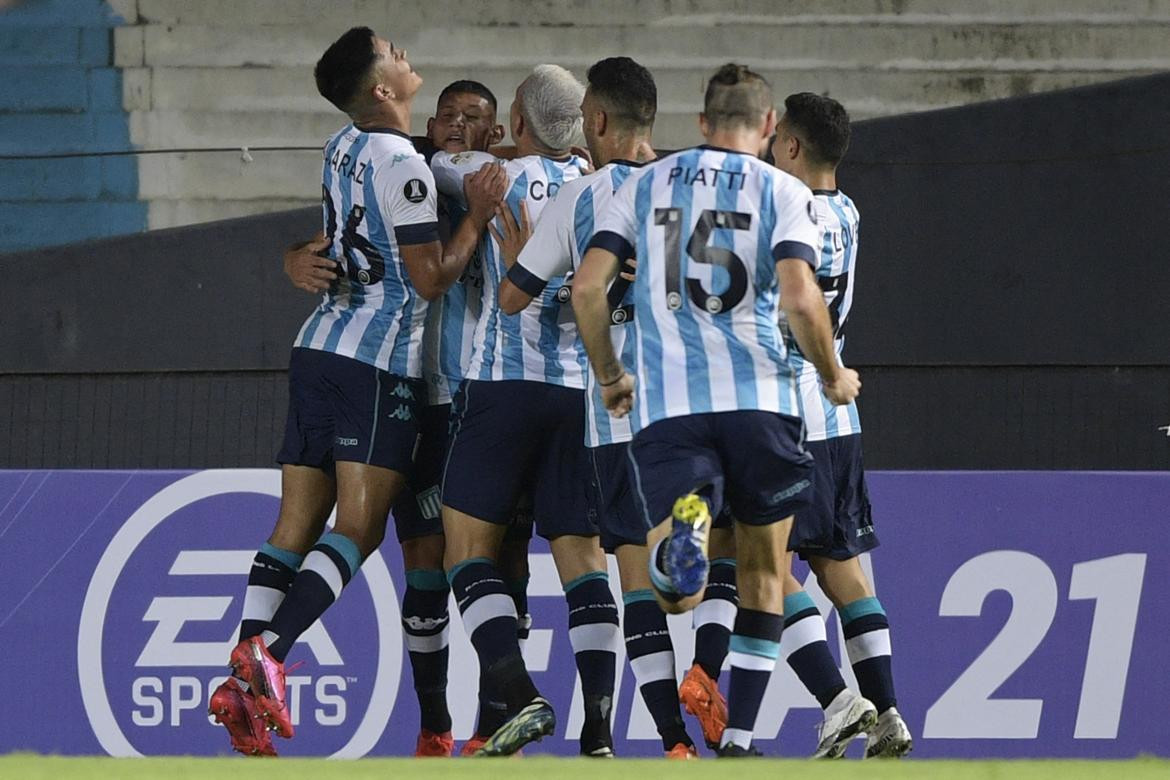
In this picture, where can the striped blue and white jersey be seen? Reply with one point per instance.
(554, 251)
(539, 343)
(377, 196)
(708, 226)
(836, 275)
(451, 320)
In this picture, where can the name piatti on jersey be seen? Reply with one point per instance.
(732, 180)
(706, 290)
(377, 196)
(538, 344)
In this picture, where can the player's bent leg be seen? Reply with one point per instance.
(658, 540)
(426, 627)
(713, 620)
(364, 496)
(805, 647)
(593, 633)
(651, 651)
(307, 498)
(867, 642)
(489, 618)
(755, 640)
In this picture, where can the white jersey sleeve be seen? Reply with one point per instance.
(549, 251)
(406, 196)
(617, 226)
(449, 170)
(797, 231)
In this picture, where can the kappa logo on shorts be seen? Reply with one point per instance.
(401, 413)
(162, 611)
(415, 191)
(402, 390)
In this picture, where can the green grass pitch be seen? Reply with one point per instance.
(32, 767)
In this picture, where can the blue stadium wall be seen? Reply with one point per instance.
(59, 93)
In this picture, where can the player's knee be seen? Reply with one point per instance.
(673, 604)
(424, 552)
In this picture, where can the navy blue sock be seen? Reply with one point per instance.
(806, 648)
(269, 579)
(754, 645)
(714, 617)
(594, 635)
(426, 626)
(327, 569)
(867, 641)
(489, 617)
(651, 654)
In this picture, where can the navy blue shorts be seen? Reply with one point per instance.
(617, 511)
(417, 511)
(513, 437)
(838, 524)
(753, 461)
(343, 409)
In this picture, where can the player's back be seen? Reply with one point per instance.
(836, 275)
(537, 344)
(709, 226)
(376, 191)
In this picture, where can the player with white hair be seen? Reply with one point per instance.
(518, 429)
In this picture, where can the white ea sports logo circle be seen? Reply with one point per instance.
(714, 304)
(673, 301)
(364, 276)
(134, 532)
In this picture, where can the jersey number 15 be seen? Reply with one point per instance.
(700, 252)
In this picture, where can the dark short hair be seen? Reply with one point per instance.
(343, 68)
(736, 95)
(822, 123)
(627, 89)
(468, 87)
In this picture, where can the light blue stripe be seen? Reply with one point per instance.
(357, 293)
(618, 175)
(454, 570)
(583, 220)
(287, 557)
(327, 183)
(798, 602)
(750, 645)
(722, 562)
(511, 342)
(549, 342)
(742, 366)
(697, 370)
(634, 596)
(860, 608)
(394, 290)
(650, 340)
(454, 311)
(767, 331)
(346, 548)
(427, 579)
(587, 577)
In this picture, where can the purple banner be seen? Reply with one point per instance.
(1030, 613)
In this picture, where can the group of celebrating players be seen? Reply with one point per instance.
(628, 353)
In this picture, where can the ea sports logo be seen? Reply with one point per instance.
(161, 614)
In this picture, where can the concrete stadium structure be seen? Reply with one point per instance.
(222, 73)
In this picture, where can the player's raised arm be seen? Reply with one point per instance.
(433, 268)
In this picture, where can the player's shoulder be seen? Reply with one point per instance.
(393, 153)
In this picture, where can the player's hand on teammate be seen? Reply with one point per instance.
(484, 190)
(583, 153)
(629, 269)
(618, 395)
(511, 235)
(844, 387)
(309, 270)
